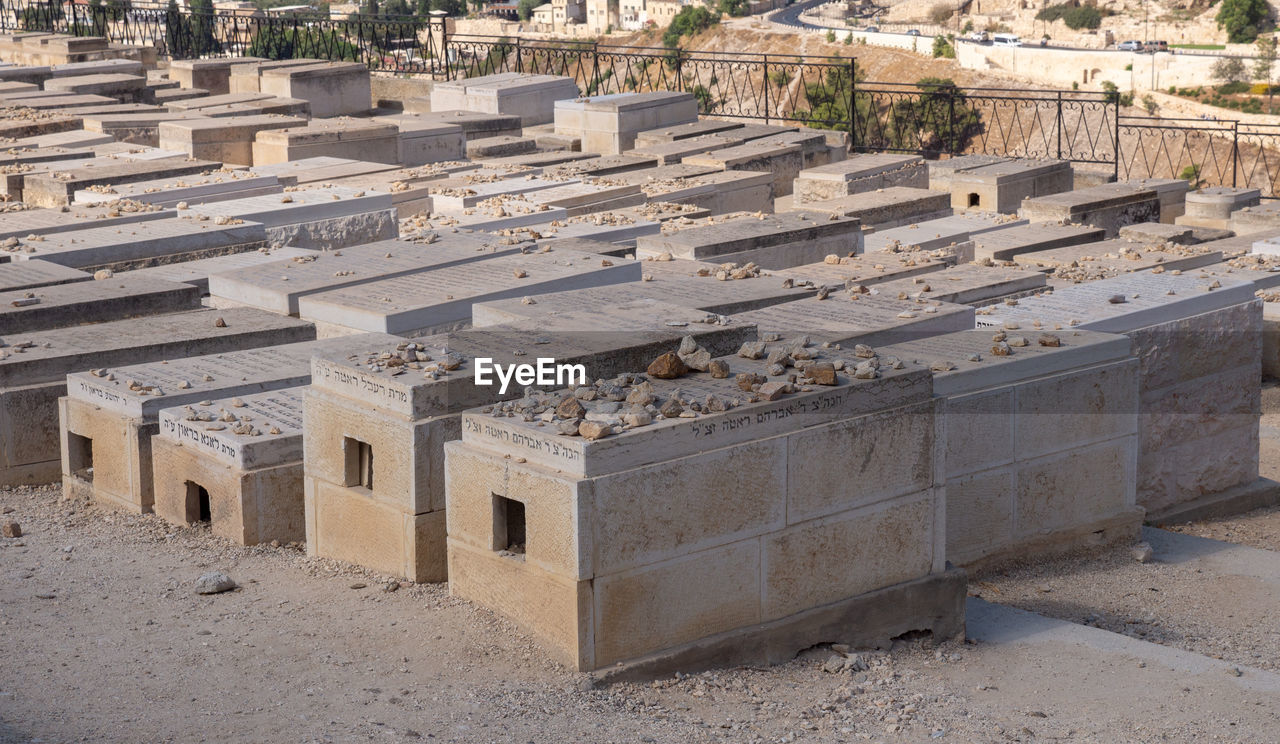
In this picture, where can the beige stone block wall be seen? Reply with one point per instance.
(1201, 405)
(29, 440)
(121, 455)
(248, 508)
(372, 534)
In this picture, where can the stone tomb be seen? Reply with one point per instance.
(440, 299)
(77, 303)
(866, 269)
(1200, 346)
(966, 284)
(609, 124)
(720, 192)
(135, 246)
(782, 160)
(891, 207)
(233, 462)
(475, 125)
(197, 272)
(332, 88)
(426, 141)
(1212, 206)
(229, 140)
(122, 88)
(277, 286)
(1023, 430)
(15, 275)
(859, 318)
(1010, 242)
(943, 172)
(941, 233)
(58, 188)
(169, 192)
(642, 549)
(1001, 187)
(244, 77)
(1173, 195)
(362, 139)
(135, 128)
(530, 97)
(212, 75)
(324, 220)
(455, 196)
(118, 412)
(1264, 218)
(1110, 207)
(1107, 258)
(33, 377)
(318, 170)
(52, 221)
(773, 242)
(375, 428)
(860, 173)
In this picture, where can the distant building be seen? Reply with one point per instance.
(602, 15)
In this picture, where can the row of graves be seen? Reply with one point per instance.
(668, 391)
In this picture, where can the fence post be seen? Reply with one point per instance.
(853, 106)
(1115, 98)
(679, 70)
(1059, 125)
(519, 59)
(766, 89)
(1235, 150)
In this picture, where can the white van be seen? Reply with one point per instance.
(1006, 40)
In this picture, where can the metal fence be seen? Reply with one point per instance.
(931, 117)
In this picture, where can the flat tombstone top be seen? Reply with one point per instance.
(197, 272)
(52, 354)
(958, 228)
(964, 284)
(867, 269)
(951, 165)
(720, 236)
(1161, 185)
(662, 174)
(328, 130)
(749, 417)
(174, 188)
(102, 78)
(104, 245)
(247, 431)
(861, 166)
(51, 221)
(1089, 261)
(320, 69)
(142, 390)
(277, 285)
(1224, 194)
(17, 303)
(218, 100)
(963, 363)
(1261, 269)
(1008, 242)
(699, 128)
(16, 275)
(1149, 299)
(869, 201)
(297, 206)
(621, 102)
(1013, 169)
(839, 319)
(1094, 197)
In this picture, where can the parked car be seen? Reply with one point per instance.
(1006, 40)
(871, 30)
(1129, 46)
(913, 32)
(1157, 46)
(979, 37)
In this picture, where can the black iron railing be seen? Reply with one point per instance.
(931, 117)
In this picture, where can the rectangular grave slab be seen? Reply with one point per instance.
(244, 78)
(866, 269)
(941, 172)
(143, 244)
(1212, 206)
(1173, 195)
(1200, 347)
(1109, 207)
(967, 284)
(22, 128)
(58, 189)
(859, 173)
(340, 138)
(1019, 433)
(228, 140)
(1150, 233)
(782, 160)
(1001, 187)
(139, 129)
(1007, 243)
(244, 478)
(33, 378)
(718, 193)
(699, 128)
(279, 285)
(1262, 218)
(123, 88)
(475, 125)
(940, 233)
(675, 151)
(76, 138)
(332, 88)
(97, 404)
(213, 75)
(440, 300)
(454, 196)
(609, 124)
(757, 555)
(421, 142)
(891, 207)
(322, 220)
(316, 170)
(78, 303)
(18, 225)
(773, 242)
(1108, 258)
(530, 97)
(169, 192)
(197, 272)
(100, 66)
(15, 275)
(869, 319)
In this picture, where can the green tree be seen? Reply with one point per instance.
(305, 42)
(1264, 63)
(942, 47)
(1241, 19)
(1228, 70)
(734, 8)
(525, 9)
(200, 28)
(690, 21)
